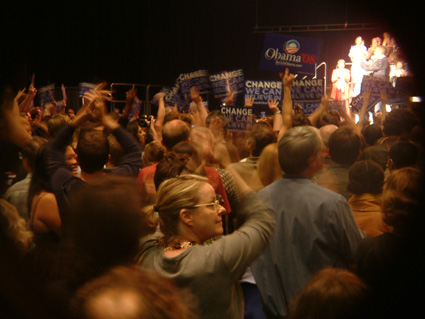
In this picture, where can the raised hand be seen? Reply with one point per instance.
(194, 94)
(249, 101)
(287, 78)
(273, 105)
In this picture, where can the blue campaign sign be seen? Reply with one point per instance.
(262, 91)
(223, 83)
(241, 118)
(307, 93)
(180, 92)
(83, 87)
(375, 86)
(298, 54)
(46, 94)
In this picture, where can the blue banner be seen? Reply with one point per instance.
(227, 81)
(296, 53)
(262, 91)
(46, 94)
(240, 118)
(83, 87)
(375, 86)
(180, 93)
(307, 93)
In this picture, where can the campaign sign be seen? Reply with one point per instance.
(263, 91)
(375, 85)
(240, 118)
(46, 94)
(83, 87)
(227, 81)
(298, 54)
(307, 93)
(180, 92)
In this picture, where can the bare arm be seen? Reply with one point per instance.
(363, 110)
(277, 118)
(160, 114)
(197, 99)
(317, 113)
(287, 80)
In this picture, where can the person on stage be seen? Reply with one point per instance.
(358, 52)
(341, 77)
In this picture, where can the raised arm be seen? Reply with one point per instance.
(29, 97)
(277, 117)
(160, 114)
(197, 99)
(317, 113)
(363, 110)
(287, 79)
(13, 123)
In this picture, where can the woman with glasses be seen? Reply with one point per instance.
(189, 214)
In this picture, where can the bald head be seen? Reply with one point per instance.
(173, 132)
(326, 131)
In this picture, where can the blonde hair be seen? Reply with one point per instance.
(173, 195)
(16, 229)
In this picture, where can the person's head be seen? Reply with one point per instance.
(402, 154)
(154, 152)
(331, 293)
(365, 177)
(401, 199)
(71, 113)
(173, 132)
(136, 131)
(71, 160)
(14, 227)
(105, 226)
(372, 133)
(260, 136)
(268, 167)
(129, 293)
(328, 118)
(187, 207)
(326, 131)
(359, 40)
(345, 146)
(300, 119)
(92, 151)
(340, 64)
(55, 124)
(300, 149)
(377, 153)
(380, 51)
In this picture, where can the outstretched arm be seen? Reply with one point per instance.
(277, 118)
(363, 110)
(317, 113)
(197, 99)
(287, 79)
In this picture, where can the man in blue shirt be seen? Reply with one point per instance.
(315, 227)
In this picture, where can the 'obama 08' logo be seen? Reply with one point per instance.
(291, 46)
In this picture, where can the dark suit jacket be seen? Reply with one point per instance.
(380, 68)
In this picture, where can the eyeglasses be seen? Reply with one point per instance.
(216, 204)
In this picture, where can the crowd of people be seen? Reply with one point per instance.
(174, 216)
